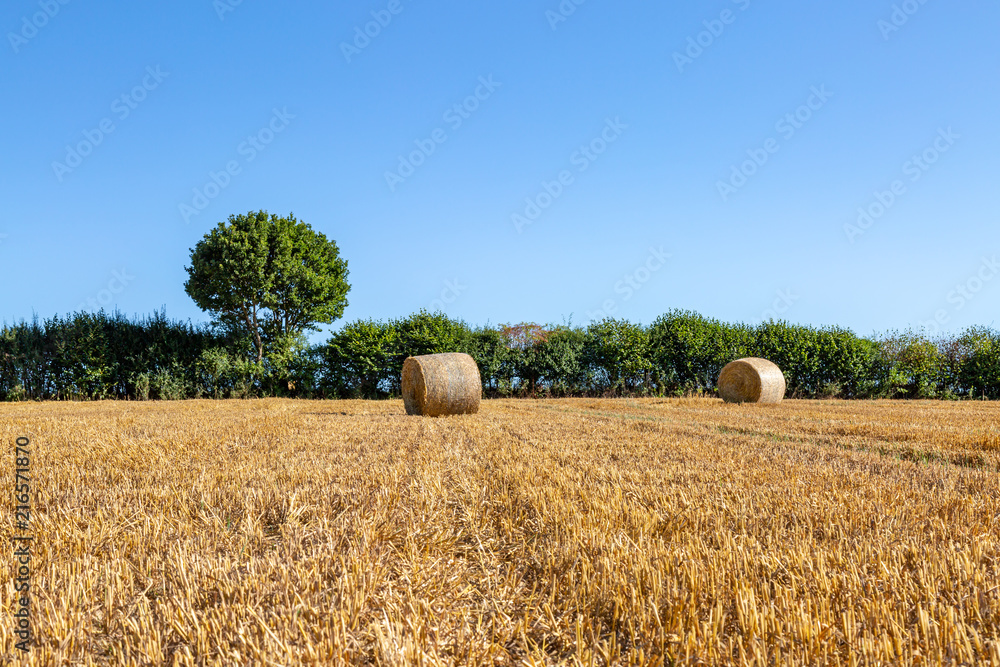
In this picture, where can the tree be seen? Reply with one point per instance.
(523, 341)
(428, 333)
(269, 277)
(619, 349)
(560, 360)
(359, 359)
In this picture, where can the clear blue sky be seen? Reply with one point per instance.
(310, 115)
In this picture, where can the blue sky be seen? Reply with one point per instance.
(515, 161)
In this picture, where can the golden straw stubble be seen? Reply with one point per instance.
(751, 380)
(292, 532)
(441, 384)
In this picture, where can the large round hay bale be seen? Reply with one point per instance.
(751, 380)
(441, 384)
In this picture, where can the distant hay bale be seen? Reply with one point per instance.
(441, 384)
(751, 380)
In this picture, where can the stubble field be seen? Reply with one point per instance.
(577, 531)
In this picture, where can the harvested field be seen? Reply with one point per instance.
(578, 531)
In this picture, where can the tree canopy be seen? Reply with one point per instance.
(268, 277)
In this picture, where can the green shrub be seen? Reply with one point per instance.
(914, 364)
(214, 372)
(359, 360)
(87, 356)
(560, 361)
(618, 354)
(142, 386)
(979, 367)
(688, 351)
(16, 394)
(496, 360)
(168, 384)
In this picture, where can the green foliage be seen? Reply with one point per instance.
(496, 360)
(359, 359)
(16, 394)
(220, 373)
(142, 387)
(618, 353)
(561, 361)
(915, 365)
(525, 343)
(303, 370)
(815, 360)
(89, 356)
(365, 358)
(248, 374)
(425, 333)
(214, 372)
(429, 333)
(688, 350)
(849, 363)
(290, 368)
(268, 278)
(979, 370)
(168, 384)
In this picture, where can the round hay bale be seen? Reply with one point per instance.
(751, 380)
(441, 384)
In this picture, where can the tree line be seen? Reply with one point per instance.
(93, 356)
(266, 281)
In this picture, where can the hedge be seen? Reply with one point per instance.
(88, 356)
